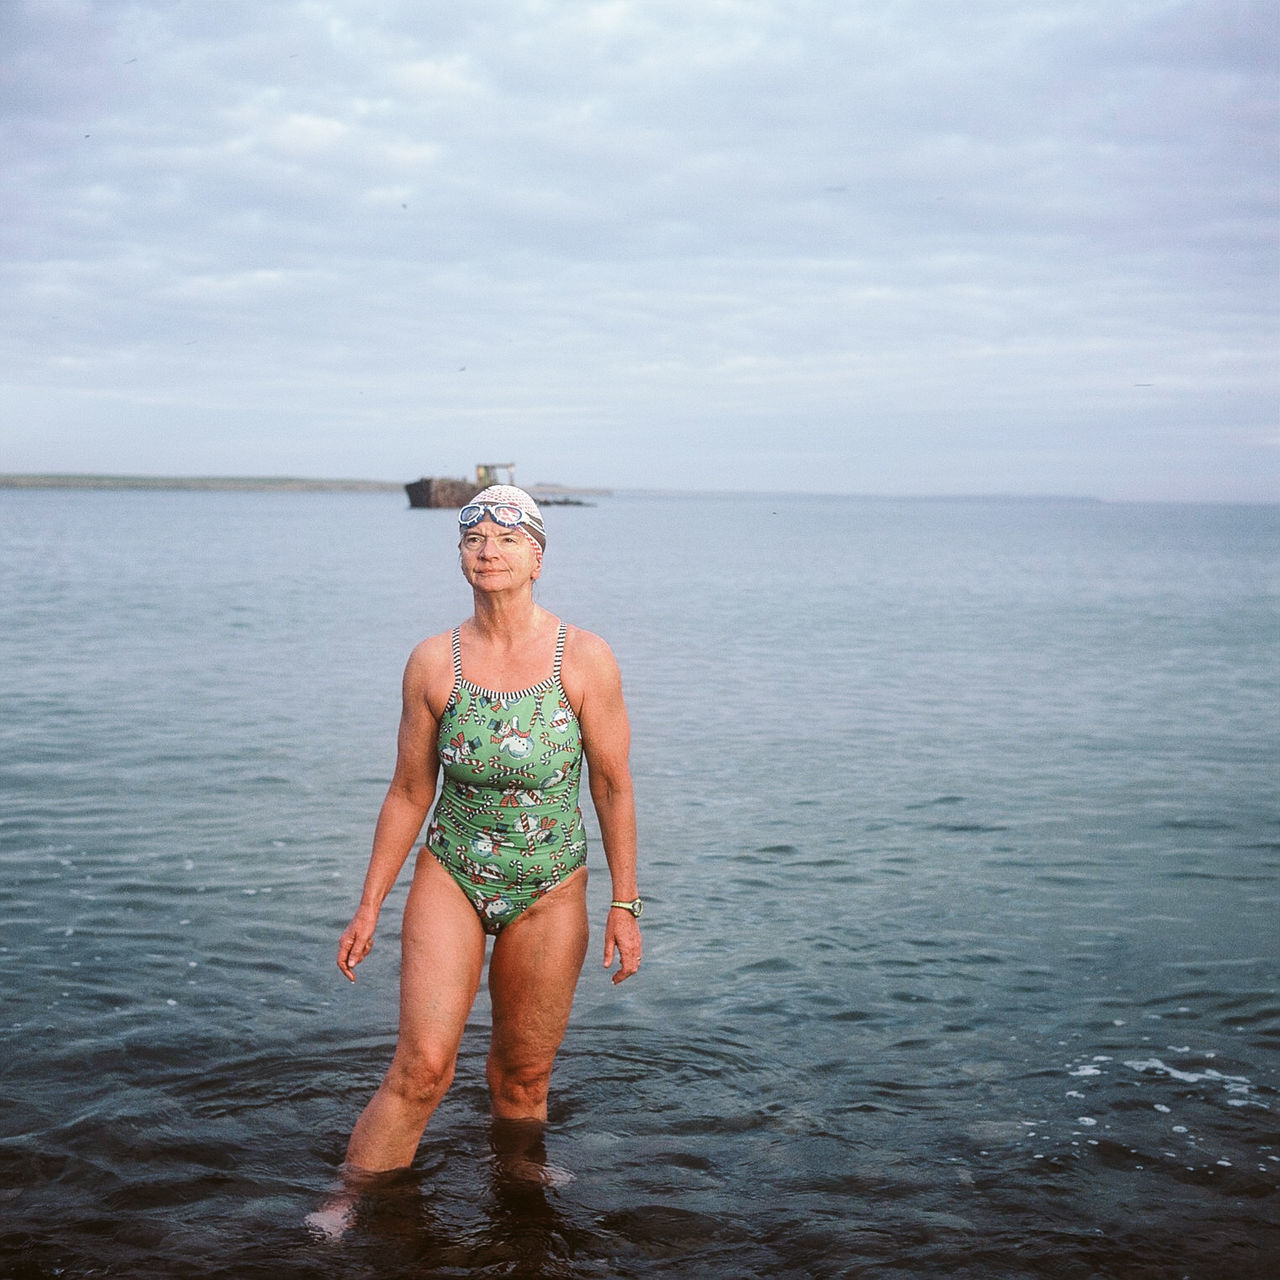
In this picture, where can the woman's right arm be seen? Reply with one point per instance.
(405, 809)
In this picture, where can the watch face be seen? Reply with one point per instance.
(637, 907)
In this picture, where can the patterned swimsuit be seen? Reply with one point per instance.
(507, 826)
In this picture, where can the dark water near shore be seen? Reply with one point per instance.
(961, 846)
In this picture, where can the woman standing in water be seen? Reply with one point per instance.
(507, 705)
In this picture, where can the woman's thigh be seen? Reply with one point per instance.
(442, 956)
(533, 973)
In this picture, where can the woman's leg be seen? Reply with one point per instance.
(442, 957)
(533, 972)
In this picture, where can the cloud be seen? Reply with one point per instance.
(793, 244)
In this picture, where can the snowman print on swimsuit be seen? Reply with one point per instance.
(460, 750)
(509, 737)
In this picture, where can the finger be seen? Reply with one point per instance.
(629, 966)
(350, 953)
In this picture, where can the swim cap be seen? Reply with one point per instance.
(531, 526)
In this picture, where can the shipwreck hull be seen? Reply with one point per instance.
(434, 491)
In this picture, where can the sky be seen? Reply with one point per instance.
(844, 246)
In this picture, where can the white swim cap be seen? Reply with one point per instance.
(507, 495)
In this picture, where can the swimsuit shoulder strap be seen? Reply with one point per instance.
(457, 656)
(560, 635)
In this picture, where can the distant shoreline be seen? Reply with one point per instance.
(249, 484)
(546, 492)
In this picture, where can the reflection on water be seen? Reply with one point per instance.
(961, 873)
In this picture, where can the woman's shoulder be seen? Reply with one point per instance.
(431, 652)
(586, 648)
(428, 674)
(592, 681)
(589, 666)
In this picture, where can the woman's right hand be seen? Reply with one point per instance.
(357, 940)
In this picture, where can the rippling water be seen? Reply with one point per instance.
(960, 830)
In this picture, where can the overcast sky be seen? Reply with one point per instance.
(868, 246)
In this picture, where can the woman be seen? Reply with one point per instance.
(508, 704)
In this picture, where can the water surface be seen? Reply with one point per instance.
(960, 837)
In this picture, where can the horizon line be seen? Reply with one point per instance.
(319, 484)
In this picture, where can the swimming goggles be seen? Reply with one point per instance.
(506, 514)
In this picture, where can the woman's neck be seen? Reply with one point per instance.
(506, 619)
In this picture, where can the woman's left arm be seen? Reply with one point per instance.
(606, 743)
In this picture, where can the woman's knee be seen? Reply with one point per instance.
(420, 1076)
(520, 1088)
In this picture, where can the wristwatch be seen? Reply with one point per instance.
(635, 907)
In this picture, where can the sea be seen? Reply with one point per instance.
(960, 847)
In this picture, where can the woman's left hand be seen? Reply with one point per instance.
(622, 935)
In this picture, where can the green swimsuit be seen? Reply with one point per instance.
(507, 826)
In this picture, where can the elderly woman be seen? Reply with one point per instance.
(506, 706)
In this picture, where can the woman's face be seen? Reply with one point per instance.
(496, 558)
